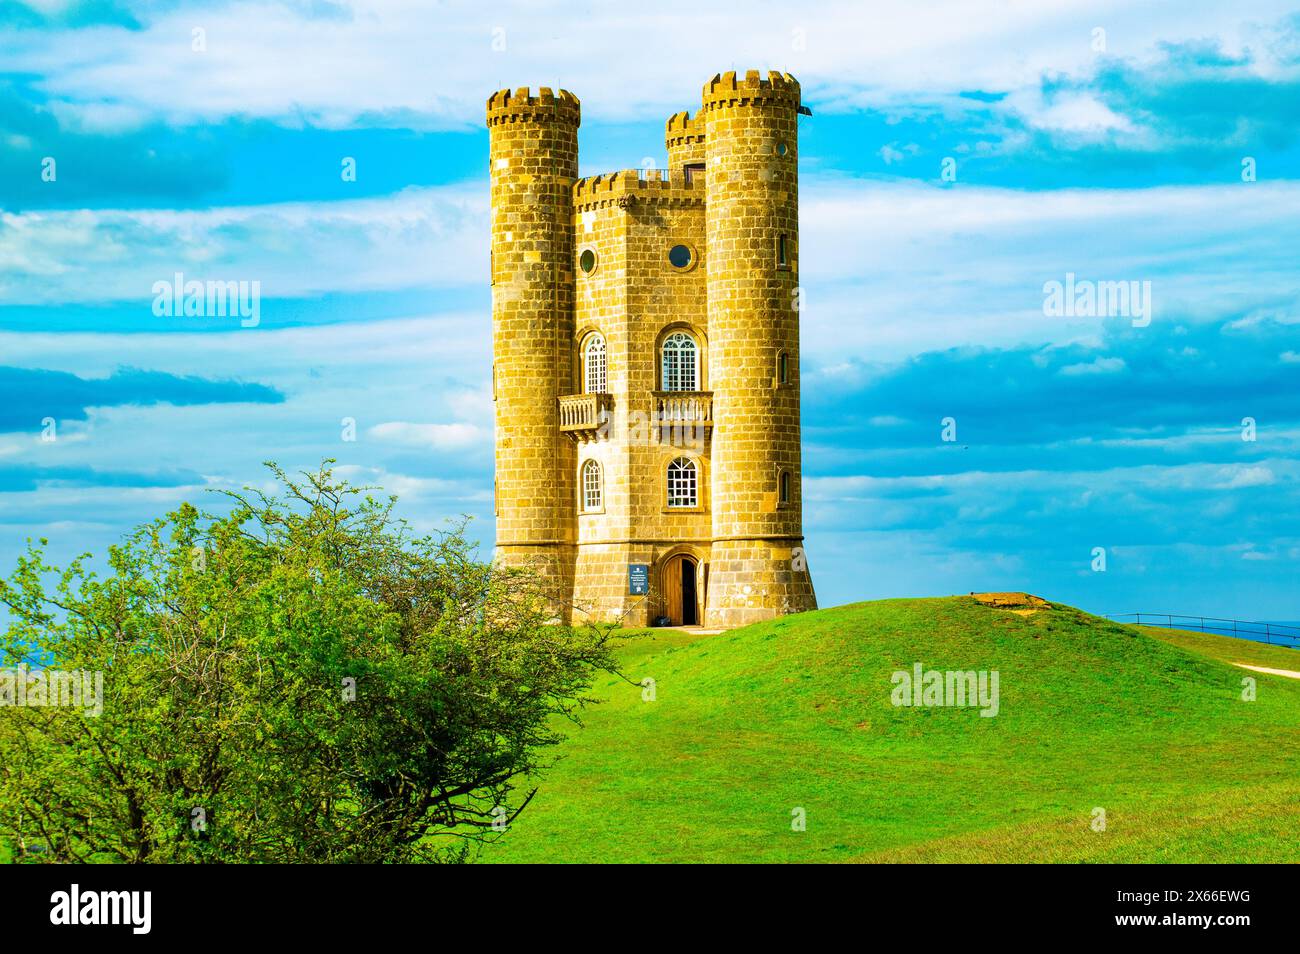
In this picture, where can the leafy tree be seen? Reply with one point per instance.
(301, 679)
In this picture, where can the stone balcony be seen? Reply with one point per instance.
(583, 416)
(676, 417)
(684, 415)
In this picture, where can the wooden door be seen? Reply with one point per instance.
(673, 590)
(682, 591)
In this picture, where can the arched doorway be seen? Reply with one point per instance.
(681, 590)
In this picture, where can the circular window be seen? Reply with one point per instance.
(587, 261)
(781, 149)
(680, 256)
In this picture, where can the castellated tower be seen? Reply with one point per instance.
(533, 161)
(646, 360)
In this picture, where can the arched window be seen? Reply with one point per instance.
(783, 485)
(681, 363)
(593, 362)
(683, 483)
(591, 488)
(782, 367)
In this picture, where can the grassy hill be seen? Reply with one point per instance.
(796, 713)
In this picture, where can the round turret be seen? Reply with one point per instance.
(752, 222)
(533, 163)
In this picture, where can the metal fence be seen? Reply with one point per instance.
(1276, 634)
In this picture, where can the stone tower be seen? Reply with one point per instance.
(646, 360)
(534, 160)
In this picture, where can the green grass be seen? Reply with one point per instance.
(1229, 649)
(796, 713)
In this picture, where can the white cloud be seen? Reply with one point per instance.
(1232, 478)
(1268, 314)
(887, 268)
(890, 268)
(376, 373)
(430, 65)
(1143, 481)
(1095, 366)
(892, 152)
(457, 344)
(418, 237)
(1080, 113)
(431, 436)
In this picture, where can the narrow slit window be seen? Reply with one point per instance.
(784, 487)
(781, 258)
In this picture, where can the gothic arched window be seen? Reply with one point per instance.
(681, 363)
(591, 486)
(593, 363)
(683, 483)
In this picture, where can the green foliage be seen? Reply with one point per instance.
(301, 679)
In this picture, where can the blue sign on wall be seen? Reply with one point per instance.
(638, 579)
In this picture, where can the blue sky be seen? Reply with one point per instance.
(1106, 140)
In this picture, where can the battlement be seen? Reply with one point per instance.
(727, 89)
(681, 129)
(521, 105)
(629, 186)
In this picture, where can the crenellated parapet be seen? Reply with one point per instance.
(684, 139)
(727, 89)
(522, 105)
(631, 186)
(682, 130)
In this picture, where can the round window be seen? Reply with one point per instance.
(587, 261)
(781, 149)
(680, 256)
